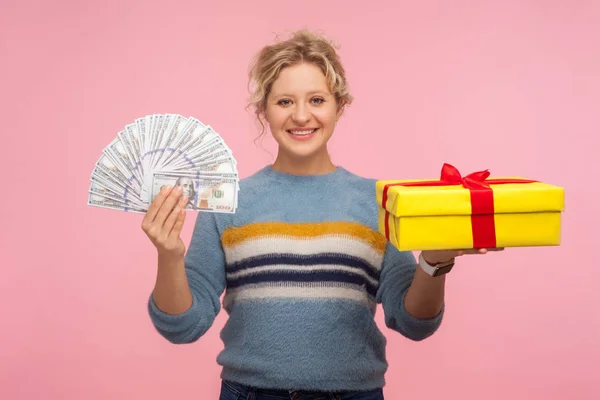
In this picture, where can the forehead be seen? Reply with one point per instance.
(299, 79)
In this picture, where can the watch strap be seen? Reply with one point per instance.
(436, 269)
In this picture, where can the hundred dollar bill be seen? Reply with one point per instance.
(211, 194)
(229, 176)
(211, 174)
(109, 171)
(99, 185)
(214, 150)
(156, 124)
(185, 157)
(117, 151)
(120, 160)
(97, 200)
(169, 122)
(225, 164)
(151, 122)
(142, 127)
(133, 136)
(195, 135)
(200, 140)
(214, 155)
(134, 167)
(164, 145)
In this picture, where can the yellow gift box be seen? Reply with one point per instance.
(468, 212)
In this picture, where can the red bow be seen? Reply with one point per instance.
(482, 200)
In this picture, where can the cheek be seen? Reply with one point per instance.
(275, 119)
(327, 117)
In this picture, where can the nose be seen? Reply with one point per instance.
(301, 114)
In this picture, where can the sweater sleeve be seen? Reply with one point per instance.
(205, 270)
(396, 277)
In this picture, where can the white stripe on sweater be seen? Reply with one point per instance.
(344, 244)
(309, 290)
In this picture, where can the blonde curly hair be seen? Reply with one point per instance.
(302, 46)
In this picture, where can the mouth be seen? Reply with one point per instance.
(302, 134)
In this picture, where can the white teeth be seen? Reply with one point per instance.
(305, 132)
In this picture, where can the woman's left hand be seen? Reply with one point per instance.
(442, 256)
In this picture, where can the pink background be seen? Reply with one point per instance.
(513, 87)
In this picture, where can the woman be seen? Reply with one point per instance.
(302, 261)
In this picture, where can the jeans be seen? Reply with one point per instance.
(235, 391)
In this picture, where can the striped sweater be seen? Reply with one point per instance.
(302, 268)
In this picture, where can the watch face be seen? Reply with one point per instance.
(443, 270)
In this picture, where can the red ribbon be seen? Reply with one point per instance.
(482, 201)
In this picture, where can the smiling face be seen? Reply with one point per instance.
(301, 111)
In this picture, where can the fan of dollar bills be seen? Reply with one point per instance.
(165, 149)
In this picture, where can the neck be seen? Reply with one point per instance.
(313, 165)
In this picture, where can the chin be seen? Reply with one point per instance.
(300, 151)
(302, 148)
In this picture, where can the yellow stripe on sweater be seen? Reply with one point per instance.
(303, 230)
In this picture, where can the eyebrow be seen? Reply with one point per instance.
(309, 93)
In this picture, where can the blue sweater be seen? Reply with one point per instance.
(302, 268)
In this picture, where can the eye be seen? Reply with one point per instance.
(318, 100)
(284, 102)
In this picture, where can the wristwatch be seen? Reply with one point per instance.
(436, 269)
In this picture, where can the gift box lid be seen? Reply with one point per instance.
(443, 196)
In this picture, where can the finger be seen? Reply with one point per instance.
(474, 251)
(157, 203)
(174, 214)
(487, 250)
(482, 250)
(178, 226)
(167, 206)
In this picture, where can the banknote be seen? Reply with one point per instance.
(97, 200)
(165, 149)
(223, 164)
(191, 132)
(213, 150)
(165, 144)
(101, 186)
(206, 193)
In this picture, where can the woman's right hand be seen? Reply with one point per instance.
(164, 220)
